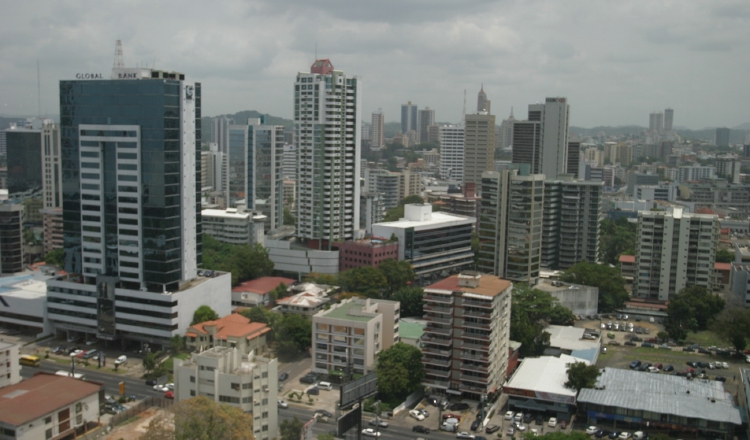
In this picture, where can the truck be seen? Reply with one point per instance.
(450, 425)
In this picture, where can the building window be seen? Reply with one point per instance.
(265, 414)
(79, 419)
(79, 407)
(192, 379)
(192, 393)
(47, 434)
(47, 420)
(264, 375)
(236, 386)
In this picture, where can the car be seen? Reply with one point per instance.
(725, 365)
(624, 435)
(475, 425)
(518, 417)
(424, 412)
(75, 353)
(150, 382)
(459, 406)
(58, 350)
(110, 410)
(170, 386)
(451, 416)
(465, 435)
(314, 391)
(161, 388)
(479, 437)
(601, 433)
(647, 344)
(539, 420)
(535, 432)
(169, 395)
(720, 378)
(432, 401)
(421, 429)
(283, 377)
(283, 404)
(369, 432)
(90, 354)
(563, 424)
(378, 422)
(637, 319)
(511, 431)
(327, 386)
(591, 430)
(690, 349)
(121, 360)
(635, 364)
(509, 415)
(668, 368)
(552, 422)
(640, 435)
(417, 414)
(92, 341)
(308, 379)
(521, 427)
(528, 417)
(614, 434)
(630, 344)
(491, 429)
(325, 413)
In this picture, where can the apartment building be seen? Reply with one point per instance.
(10, 369)
(721, 195)
(355, 331)
(365, 252)
(466, 341)
(233, 331)
(11, 238)
(674, 250)
(228, 376)
(234, 225)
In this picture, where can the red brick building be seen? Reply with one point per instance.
(367, 252)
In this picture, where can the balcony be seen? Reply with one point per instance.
(432, 371)
(438, 331)
(443, 384)
(470, 345)
(477, 325)
(475, 336)
(477, 314)
(475, 366)
(469, 388)
(434, 318)
(446, 363)
(482, 304)
(474, 379)
(436, 351)
(442, 299)
(465, 355)
(437, 341)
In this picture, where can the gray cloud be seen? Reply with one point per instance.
(616, 61)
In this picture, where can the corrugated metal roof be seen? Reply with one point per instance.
(662, 393)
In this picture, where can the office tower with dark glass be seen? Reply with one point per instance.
(327, 115)
(131, 209)
(542, 140)
(408, 117)
(426, 118)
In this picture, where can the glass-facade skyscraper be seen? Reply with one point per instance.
(131, 185)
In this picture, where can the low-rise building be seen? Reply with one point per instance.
(410, 331)
(24, 303)
(290, 257)
(356, 327)
(571, 341)
(10, 369)
(365, 252)
(538, 386)
(256, 292)
(48, 406)
(435, 243)
(228, 376)
(234, 225)
(306, 299)
(579, 299)
(722, 276)
(234, 331)
(740, 282)
(627, 267)
(636, 401)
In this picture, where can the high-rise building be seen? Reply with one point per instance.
(326, 123)
(510, 226)
(366, 131)
(674, 250)
(213, 169)
(433, 133)
(570, 226)
(377, 136)
(465, 344)
(452, 152)
(11, 238)
(290, 162)
(255, 175)
(729, 168)
(220, 136)
(51, 187)
(479, 146)
(656, 122)
(542, 140)
(574, 158)
(722, 139)
(425, 119)
(483, 104)
(668, 119)
(506, 131)
(24, 155)
(408, 117)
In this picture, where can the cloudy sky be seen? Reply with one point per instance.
(615, 61)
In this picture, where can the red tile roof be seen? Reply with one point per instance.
(40, 395)
(489, 285)
(234, 325)
(262, 285)
(705, 210)
(627, 258)
(723, 266)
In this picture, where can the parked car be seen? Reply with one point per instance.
(518, 417)
(150, 382)
(591, 430)
(314, 391)
(417, 414)
(92, 341)
(169, 395)
(539, 420)
(324, 413)
(563, 424)
(369, 432)
(161, 388)
(624, 435)
(520, 427)
(432, 401)
(421, 429)
(451, 416)
(552, 422)
(283, 377)
(491, 429)
(424, 412)
(459, 406)
(640, 435)
(647, 344)
(635, 364)
(465, 435)
(511, 431)
(601, 433)
(509, 415)
(121, 360)
(720, 378)
(528, 417)
(475, 425)
(614, 434)
(668, 368)
(378, 422)
(283, 404)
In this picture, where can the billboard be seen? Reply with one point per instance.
(349, 420)
(357, 389)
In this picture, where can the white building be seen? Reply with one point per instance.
(25, 303)
(328, 134)
(452, 152)
(306, 299)
(213, 169)
(234, 225)
(227, 376)
(435, 243)
(10, 369)
(290, 162)
(48, 406)
(377, 133)
(107, 311)
(292, 258)
(356, 327)
(739, 282)
(694, 172)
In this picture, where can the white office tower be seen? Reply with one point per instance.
(290, 162)
(327, 112)
(220, 135)
(674, 250)
(377, 132)
(213, 169)
(452, 152)
(51, 187)
(254, 176)
(542, 140)
(506, 131)
(656, 122)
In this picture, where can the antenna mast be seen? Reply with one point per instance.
(118, 64)
(39, 88)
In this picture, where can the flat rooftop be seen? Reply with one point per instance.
(438, 219)
(545, 375)
(40, 395)
(23, 286)
(569, 338)
(489, 285)
(350, 311)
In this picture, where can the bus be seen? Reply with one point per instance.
(31, 361)
(74, 376)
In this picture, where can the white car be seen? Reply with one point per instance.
(591, 430)
(518, 417)
(170, 386)
(417, 414)
(725, 365)
(369, 432)
(161, 388)
(624, 435)
(509, 415)
(75, 353)
(465, 435)
(520, 427)
(121, 360)
(283, 404)
(552, 422)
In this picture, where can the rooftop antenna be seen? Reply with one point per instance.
(118, 64)
(463, 115)
(39, 88)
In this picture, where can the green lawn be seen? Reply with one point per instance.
(169, 363)
(706, 338)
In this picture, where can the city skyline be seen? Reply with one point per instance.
(534, 51)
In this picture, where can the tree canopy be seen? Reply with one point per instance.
(289, 218)
(582, 376)
(733, 326)
(204, 313)
(397, 274)
(724, 256)
(55, 258)
(291, 429)
(692, 309)
(400, 371)
(412, 301)
(532, 310)
(293, 335)
(201, 418)
(244, 261)
(611, 284)
(616, 238)
(366, 280)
